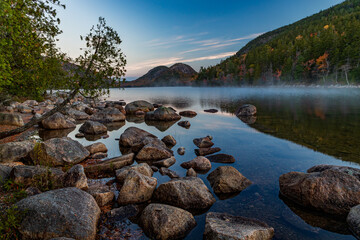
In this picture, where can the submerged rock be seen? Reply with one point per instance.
(15, 151)
(160, 221)
(11, 119)
(67, 212)
(246, 110)
(226, 179)
(93, 128)
(187, 193)
(221, 158)
(331, 189)
(225, 226)
(59, 152)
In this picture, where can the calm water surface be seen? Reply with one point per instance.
(295, 129)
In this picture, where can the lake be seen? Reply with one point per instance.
(295, 129)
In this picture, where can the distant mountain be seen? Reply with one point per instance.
(322, 48)
(177, 75)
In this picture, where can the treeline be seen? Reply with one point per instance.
(323, 48)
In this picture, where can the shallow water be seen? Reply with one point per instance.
(295, 129)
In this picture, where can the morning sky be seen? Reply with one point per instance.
(195, 32)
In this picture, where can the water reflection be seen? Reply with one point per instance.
(161, 125)
(48, 134)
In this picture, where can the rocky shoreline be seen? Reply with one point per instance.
(74, 191)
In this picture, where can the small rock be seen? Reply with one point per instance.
(141, 105)
(162, 114)
(97, 148)
(161, 221)
(181, 151)
(246, 110)
(184, 124)
(108, 115)
(93, 128)
(26, 174)
(211, 110)
(79, 135)
(4, 173)
(98, 155)
(31, 191)
(102, 194)
(221, 158)
(155, 169)
(137, 188)
(206, 151)
(198, 164)
(169, 140)
(165, 163)
(75, 177)
(226, 179)
(189, 114)
(191, 173)
(203, 142)
(154, 150)
(225, 226)
(170, 173)
(133, 137)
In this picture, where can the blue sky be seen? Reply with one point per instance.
(195, 32)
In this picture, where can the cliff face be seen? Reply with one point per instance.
(177, 75)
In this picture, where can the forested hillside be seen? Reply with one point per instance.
(323, 48)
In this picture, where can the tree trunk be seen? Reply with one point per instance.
(35, 121)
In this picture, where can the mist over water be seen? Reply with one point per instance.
(295, 129)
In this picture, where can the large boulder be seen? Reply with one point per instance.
(59, 152)
(108, 167)
(108, 115)
(133, 138)
(11, 119)
(198, 164)
(137, 188)
(353, 219)
(187, 193)
(153, 150)
(140, 105)
(330, 189)
(142, 168)
(57, 121)
(67, 212)
(226, 179)
(160, 221)
(246, 110)
(93, 128)
(227, 227)
(15, 151)
(162, 114)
